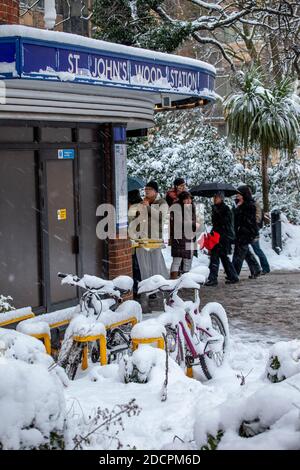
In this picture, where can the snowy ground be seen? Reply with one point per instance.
(159, 423)
(238, 401)
(192, 407)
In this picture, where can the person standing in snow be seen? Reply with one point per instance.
(149, 217)
(172, 194)
(182, 233)
(222, 223)
(265, 267)
(246, 232)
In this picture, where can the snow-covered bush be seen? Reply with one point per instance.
(5, 304)
(285, 187)
(267, 419)
(137, 368)
(284, 360)
(180, 144)
(32, 407)
(32, 404)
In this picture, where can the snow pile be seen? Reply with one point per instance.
(152, 328)
(85, 326)
(32, 404)
(30, 350)
(81, 326)
(284, 360)
(289, 258)
(32, 407)
(125, 311)
(148, 364)
(267, 419)
(41, 324)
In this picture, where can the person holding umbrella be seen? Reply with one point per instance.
(246, 231)
(222, 223)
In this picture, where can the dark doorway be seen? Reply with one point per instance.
(53, 176)
(59, 225)
(19, 228)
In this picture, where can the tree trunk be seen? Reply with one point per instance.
(265, 179)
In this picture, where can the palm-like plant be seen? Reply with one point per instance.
(266, 116)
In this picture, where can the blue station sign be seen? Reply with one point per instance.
(31, 58)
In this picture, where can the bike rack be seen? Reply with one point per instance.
(137, 341)
(16, 316)
(86, 340)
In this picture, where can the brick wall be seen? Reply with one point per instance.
(9, 11)
(120, 258)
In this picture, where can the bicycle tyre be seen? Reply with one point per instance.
(205, 361)
(73, 360)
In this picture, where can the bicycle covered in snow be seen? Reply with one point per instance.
(101, 310)
(194, 337)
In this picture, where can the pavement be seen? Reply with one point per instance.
(268, 305)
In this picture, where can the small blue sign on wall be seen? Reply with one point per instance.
(66, 154)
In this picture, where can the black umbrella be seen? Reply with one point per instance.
(210, 189)
(135, 183)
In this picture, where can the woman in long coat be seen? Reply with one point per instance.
(182, 233)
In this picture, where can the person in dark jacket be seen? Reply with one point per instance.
(255, 244)
(222, 222)
(246, 231)
(182, 233)
(173, 194)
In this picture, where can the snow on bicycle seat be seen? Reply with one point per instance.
(88, 282)
(155, 283)
(124, 283)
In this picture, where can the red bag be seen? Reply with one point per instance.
(208, 240)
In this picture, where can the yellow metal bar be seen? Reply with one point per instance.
(131, 320)
(15, 320)
(103, 355)
(46, 338)
(189, 372)
(60, 323)
(136, 341)
(87, 339)
(85, 363)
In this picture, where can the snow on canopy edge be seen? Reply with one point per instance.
(104, 46)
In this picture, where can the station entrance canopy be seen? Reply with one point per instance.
(31, 54)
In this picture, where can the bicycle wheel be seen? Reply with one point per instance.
(73, 360)
(214, 359)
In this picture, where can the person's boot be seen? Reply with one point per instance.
(231, 281)
(174, 275)
(211, 283)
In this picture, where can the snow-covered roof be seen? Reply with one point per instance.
(75, 39)
(47, 55)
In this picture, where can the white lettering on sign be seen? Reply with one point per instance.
(119, 70)
(147, 75)
(181, 78)
(73, 61)
(109, 69)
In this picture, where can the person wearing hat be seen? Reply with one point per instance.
(246, 231)
(151, 214)
(222, 223)
(178, 187)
